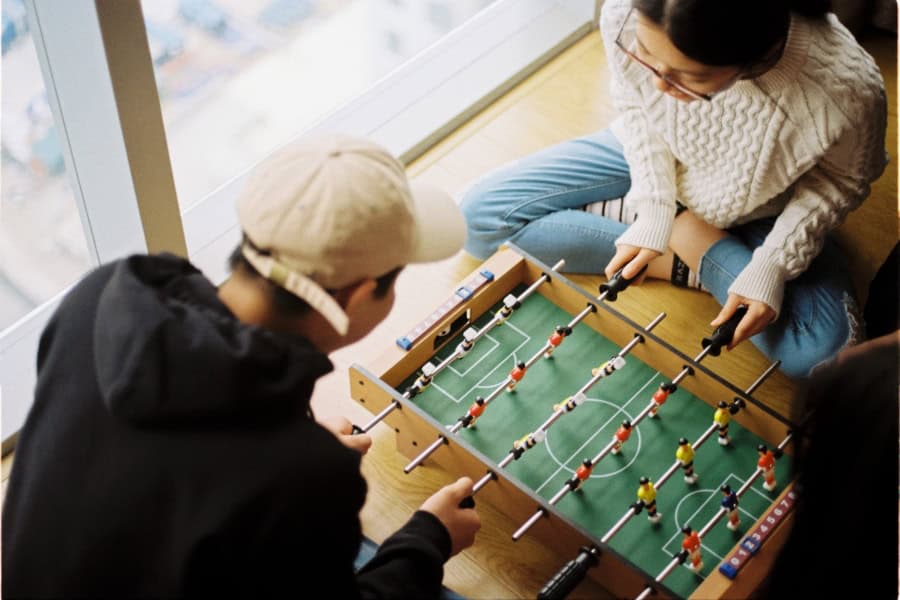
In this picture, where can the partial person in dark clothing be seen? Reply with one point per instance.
(171, 449)
(845, 458)
(882, 311)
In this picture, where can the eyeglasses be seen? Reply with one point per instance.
(628, 38)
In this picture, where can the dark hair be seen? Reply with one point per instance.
(286, 303)
(727, 32)
(845, 460)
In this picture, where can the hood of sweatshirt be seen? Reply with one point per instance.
(169, 352)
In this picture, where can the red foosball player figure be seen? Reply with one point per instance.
(722, 417)
(767, 464)
(581, 474)
(556, 338)
(475, 411)
(660, 396)
(691, 545)
(730, 502)
(621, 436)
(647, 499)
(685, 454)
(516, 375)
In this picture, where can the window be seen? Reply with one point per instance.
(238, 78)
(42, 243)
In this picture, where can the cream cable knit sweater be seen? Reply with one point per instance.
(803, 142)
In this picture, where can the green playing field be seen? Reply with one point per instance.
(584, 432)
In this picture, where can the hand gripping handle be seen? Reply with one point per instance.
(724, 332)
(618, 283)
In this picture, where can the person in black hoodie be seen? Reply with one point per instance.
(171, 449)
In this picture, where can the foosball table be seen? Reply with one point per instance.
(607, 443)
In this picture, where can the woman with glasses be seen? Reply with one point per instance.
(747, 130)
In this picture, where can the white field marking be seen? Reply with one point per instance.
(748, 513)
(560, 468)
(489, 373)
(637, 449)
(712, 493)
(475, 364)
(678, 526)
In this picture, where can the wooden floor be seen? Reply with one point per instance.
(566, 98)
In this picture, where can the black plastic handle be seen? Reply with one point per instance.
(467, 502)
(356, 430)
(724, 332)
(617, 284)
(562, 584)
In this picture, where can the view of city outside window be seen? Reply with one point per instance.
(42, 243)
(238, 78)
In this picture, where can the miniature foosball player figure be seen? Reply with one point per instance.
(424, 380)
(685, 454)
(582, 473)
(722, 417)
(647, 499)
(621, 436)
(767, 464)
(509, 304)
(468, 342)
(609, 367)
(516, 375)
(475, 411)
(571, 403)
(556, 338)
(691, 545)
(730, 503)
(660, 396)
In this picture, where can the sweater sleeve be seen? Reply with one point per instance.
(410, 563)
(651, 164)
(821, 199)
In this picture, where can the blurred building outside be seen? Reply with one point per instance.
(236, 78)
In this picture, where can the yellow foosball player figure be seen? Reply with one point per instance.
(647, 499)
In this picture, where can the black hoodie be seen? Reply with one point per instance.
(171, 451)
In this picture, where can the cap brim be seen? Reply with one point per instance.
(441, 228)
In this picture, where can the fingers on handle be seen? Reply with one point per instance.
(462, 487)
(731, 305)
(361, 442)
(623, 255)
(753, 322)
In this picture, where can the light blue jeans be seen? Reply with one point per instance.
(537, 203)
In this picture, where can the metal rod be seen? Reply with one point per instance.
(559, 495)
(687, 370)
(425, 454)
(377, 418)
(527, 525)
(580, 316)
(765, 375)
(702, 439)
(665, 476)
(619, 524)
(482, 482)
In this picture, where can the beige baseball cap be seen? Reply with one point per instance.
(331, 211)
